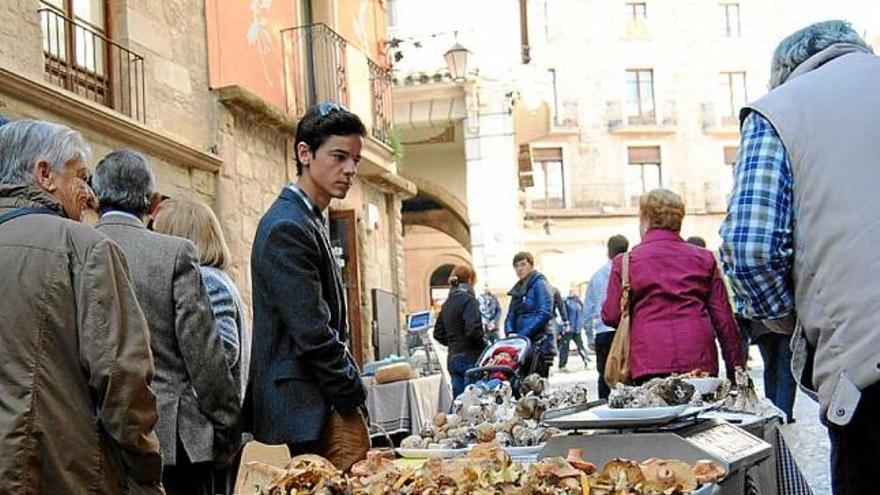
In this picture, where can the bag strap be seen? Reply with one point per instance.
(626, 290)
(28, 210)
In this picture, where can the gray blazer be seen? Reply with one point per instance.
(197, 399)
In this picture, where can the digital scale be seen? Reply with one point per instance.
(688, 439)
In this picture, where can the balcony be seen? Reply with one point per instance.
(320, 65)
(565, 118)
(84, 61)
(651, 123)
(715, 124)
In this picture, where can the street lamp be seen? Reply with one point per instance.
(457, 61)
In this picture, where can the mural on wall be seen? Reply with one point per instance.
(259, 35)
(244, 45)
(362, 24)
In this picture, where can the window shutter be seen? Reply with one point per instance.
(547, 154)
(526, 178)
(639, 155)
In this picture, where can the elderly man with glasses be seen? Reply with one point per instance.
(75, 362)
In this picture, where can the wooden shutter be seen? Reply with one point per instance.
(644, 154)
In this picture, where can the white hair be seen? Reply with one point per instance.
(24, 143)
(803, 44)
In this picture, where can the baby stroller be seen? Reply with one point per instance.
(510, 359)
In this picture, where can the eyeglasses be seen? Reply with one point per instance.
(327, 107)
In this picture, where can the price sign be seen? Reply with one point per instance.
(729, 443)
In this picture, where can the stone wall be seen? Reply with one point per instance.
(251, 145)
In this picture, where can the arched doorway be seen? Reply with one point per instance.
(439, 284)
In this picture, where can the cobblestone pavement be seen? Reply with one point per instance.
(806, 438)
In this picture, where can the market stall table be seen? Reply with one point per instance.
(402, 407)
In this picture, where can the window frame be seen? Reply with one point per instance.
(731, 113)
(642, 117)
(76, 75)
(632, 11)
(643, 165)
(543, 200)
(727, 30)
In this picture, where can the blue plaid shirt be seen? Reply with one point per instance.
(757, 251)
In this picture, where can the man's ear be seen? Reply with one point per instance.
(303, 153)
(45, 176)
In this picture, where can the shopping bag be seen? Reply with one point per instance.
(617, 367)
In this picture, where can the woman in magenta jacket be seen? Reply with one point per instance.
(679, 302)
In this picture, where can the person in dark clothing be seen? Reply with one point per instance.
(574, 307)
(556, 327)
(460, 327)
(305, 387)
(531, 309)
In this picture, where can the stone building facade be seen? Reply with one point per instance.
(605, 99)
(228, 143)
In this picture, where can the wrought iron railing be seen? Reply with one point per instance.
(315, 66)
(81, 59)
(380, 93)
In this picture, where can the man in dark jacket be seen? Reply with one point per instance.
(575, 309)
(305, 388)
(531, 308)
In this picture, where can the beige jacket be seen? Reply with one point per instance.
(826, 115)
(76, 409)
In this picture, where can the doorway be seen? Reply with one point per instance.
(343, 239)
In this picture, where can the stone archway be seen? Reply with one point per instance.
(437, 208)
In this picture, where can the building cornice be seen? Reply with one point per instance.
(240, 99)
(90, 115)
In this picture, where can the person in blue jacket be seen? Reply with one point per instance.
(531, 307)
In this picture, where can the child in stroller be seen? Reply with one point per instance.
(509, 359)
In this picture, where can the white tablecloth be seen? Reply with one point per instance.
(402, 407)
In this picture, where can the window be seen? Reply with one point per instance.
(83, 39)
(548, 189)
(79, 56)
(730, 26)
(726, 182)
(640, 96)
(643, 173)
(732, 96)
(636, 12)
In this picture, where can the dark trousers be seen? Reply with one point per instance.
(565, 343)
(855, 448)
(188, 478)
(779, 384)
(458, 365)
(603, 347)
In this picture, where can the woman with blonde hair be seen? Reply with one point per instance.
(679, 303)
(196, 221)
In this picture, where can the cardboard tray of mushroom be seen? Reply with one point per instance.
(488, 470)
(484, 415)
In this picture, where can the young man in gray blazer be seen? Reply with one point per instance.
(197, 399)
(305, 388)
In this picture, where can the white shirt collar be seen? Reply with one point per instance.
(121, 214)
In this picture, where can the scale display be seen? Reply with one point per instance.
(728, 442)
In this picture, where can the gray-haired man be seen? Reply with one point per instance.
(198, 400)
(806, 179)
(75, 361)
